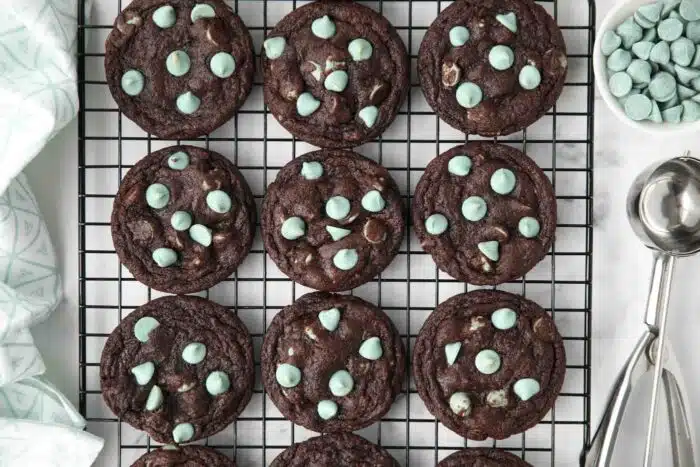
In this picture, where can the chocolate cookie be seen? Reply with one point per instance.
(485, 212)
(492, 67)
(339, 449)
(482, 457)
(186, 456)
(489, 364)
(332, 220)
(179, 68)
(180, 368)
(183, 219)
(332, 362)
(336, 73)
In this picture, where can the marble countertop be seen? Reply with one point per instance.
(621, 265)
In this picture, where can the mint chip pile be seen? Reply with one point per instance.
(653, 62)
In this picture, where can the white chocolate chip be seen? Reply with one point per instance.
(310, 332)
(497, 398)
(309, 258)
(186, 387)
(485, 265)
(350, 219)
(477, 322)
(451, 74)
(206, 186)
(460, 404)
(290, 352)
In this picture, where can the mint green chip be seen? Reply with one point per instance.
(501, 57)
(132, 82)
(217, 383)
(660, 53)
(619, 60)
(274, 47)
(609, 43)
(474, 208)
(183, 432)
(369, 115)
(504, 318)
(682, 51)
(638, 107)
(459, 35)
(143, 328)
(436, 224)
(157, 196)
(670, 29)
(459, 165)
(620, 84)
(222, 64)
(373, 201)
(219, 201)
(164, 17)
(337, 207)
(181, 220)
(503, 181)
(178, 63)
(293, 228)
(202, 10)
(490, 249)
(360, 49)
(630, 32)
(469, 95)
(188, 103)
(371, 349)
(323, 27)
(642, 49)
(164, 257)
(529, 227)
(201, 234)
(337, 81)
(526, 388)
(346, 259)
(194, 353)
(327, 409)
(307, 104)
(288, 376)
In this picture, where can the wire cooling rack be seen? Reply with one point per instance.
(561, 143)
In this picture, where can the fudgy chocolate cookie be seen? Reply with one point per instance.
(332, 220)
(180, 368)
(179, 68)
(183, 219)
(186, 456)
(489, 364)
(338, 449)
(336, 73)
(332, 362)
(482, 457)
(485, 212)
(492, 67)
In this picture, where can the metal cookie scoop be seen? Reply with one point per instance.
(663, 207)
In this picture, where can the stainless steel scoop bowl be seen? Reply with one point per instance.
(663, 207)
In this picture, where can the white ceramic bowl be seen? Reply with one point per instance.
(622, 10)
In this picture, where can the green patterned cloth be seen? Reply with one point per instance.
(38, 426)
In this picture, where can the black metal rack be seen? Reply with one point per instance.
(408, 290)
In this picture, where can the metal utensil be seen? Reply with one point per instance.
(663, 207)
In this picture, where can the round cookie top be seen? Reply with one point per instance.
(332, 220)
(489, 364)
(335, 449)
(485, 212)
(332, 362)
(183, 219)
(179, 68)
(169, 456)
(492, 67)
(179, 367)
(482, 457)
(336, 73)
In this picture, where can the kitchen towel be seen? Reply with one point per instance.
(38, 97)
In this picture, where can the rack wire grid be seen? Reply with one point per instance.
(561, 143)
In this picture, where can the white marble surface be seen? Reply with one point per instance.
(621, 264)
